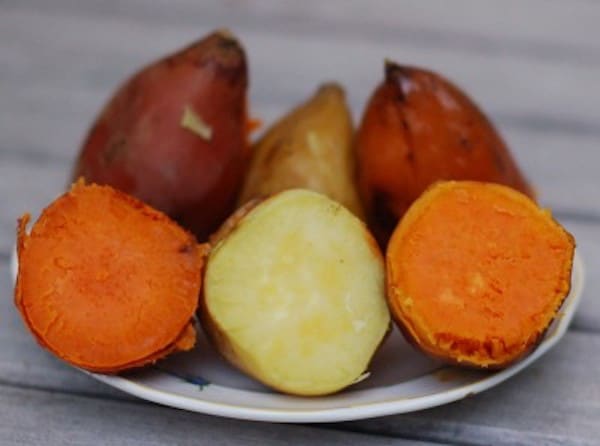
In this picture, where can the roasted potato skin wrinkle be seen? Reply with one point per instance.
(311, 147)
(419, 128)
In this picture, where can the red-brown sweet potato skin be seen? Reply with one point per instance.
(417, 129)
(139, 145)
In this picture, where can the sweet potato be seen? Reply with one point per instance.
(310, 148)
(294, 293)
(476, 272)
(175, 134)
(418, 128)
(107, 283)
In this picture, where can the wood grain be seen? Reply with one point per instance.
(549, 403)
(532, 66)
(40, 417)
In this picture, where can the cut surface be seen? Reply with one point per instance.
(106, 282)
(296, 292)
(477, 272)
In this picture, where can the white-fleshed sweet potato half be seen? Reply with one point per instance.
(294, 294)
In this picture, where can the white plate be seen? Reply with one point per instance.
(401, 380)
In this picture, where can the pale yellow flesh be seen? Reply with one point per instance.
(298, 290)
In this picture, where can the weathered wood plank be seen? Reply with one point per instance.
(587, 236)
(555, 401)
(537, 29)
(40, 417)
(107, 48)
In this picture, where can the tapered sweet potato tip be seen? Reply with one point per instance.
(107, 283)
(477, 272)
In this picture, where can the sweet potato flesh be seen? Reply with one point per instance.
(294, 294)
(107, 283)
(477, 272)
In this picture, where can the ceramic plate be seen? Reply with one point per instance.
(401, 380)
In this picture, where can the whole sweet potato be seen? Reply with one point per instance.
(419, 128)
(174, 135)
(309, 148)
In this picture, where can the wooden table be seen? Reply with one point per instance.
(535, 68)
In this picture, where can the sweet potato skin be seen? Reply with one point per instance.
(418, 128)
(175, 134)
(311, 147)
(396, 293)
(76, 308)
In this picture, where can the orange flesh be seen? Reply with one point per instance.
(106, 282)
(478, 272)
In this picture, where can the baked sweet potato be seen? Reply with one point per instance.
(476, 272)
(175, 134)
(310, 148)
(418, 128)
(294, 293)
(107, 283)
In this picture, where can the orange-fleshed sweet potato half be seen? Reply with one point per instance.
(419, 128)
(107, 283)
(476, 272)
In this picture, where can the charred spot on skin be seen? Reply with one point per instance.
(226, 56)
(410, 154)
(499, 161)
(228, 42)
(185, 248)
(232, 73)
(384, 217)
(113, 151)
(393, 71)
(171, 61)
(399, 76)
(465, 143)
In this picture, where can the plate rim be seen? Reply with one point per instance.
(355, 411)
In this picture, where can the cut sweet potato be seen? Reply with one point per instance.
(477, 272)
(294, 294)
(107, 283)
